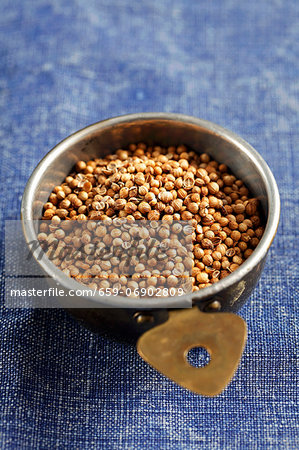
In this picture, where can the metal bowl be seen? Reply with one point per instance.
(131, 318)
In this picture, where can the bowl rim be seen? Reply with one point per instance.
(153, 302)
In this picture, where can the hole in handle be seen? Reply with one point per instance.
(198, 357)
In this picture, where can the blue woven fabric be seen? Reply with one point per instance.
(65, 64)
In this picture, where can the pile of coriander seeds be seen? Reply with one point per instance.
(157, 184)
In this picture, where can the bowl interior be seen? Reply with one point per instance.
(165, 130)
(100, 140)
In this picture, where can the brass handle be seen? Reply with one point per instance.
(223, 335)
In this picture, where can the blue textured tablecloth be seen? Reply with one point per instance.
(65, 64)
